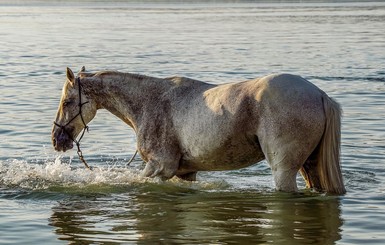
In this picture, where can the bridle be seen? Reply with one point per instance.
(85, 128)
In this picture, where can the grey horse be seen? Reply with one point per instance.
(184, 125)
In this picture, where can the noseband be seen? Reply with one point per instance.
(85, 128)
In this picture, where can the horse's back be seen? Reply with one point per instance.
(276, 94)
(186, 82)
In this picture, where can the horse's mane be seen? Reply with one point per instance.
(113, 73)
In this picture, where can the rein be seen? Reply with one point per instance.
(85, 128)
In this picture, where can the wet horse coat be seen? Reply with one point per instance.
(184, 125)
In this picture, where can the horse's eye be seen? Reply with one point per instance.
(67, 103)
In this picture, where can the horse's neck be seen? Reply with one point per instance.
(125, 95)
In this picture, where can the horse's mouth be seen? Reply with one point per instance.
(62, 142)
(62, 146)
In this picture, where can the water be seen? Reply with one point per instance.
(49, 198)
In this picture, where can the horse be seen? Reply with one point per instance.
(184, 125)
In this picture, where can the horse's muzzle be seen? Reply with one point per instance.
(61, 141)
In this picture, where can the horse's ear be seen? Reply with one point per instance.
(70, 76)
(83, 69)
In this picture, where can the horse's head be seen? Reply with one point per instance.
(74, 113)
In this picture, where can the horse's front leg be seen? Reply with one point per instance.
(163, 168)
(160, 149)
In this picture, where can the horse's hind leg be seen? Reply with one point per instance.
(285, 160)
(310, 173)
(284, 170)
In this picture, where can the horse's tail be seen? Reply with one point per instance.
(328, 159)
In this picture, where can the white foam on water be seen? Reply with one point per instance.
(20, 173)
(58, 173)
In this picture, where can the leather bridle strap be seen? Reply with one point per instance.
(85, 128)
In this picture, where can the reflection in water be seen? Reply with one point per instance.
(190, 216)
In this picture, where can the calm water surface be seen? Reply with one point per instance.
(49, 198)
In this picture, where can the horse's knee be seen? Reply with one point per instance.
(165, 170)
(284, 166)
(151, 169)
(285, 180)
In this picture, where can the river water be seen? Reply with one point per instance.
(50, 198)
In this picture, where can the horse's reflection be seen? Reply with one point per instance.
(199, 217)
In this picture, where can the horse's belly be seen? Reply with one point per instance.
(233, 154)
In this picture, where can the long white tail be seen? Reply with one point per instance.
(328, 167)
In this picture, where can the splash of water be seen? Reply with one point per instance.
(58, 174)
